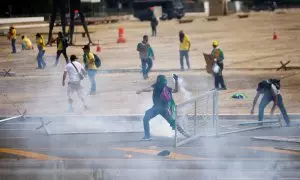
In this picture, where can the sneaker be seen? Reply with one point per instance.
(223, 88)
(146, 138)
(182, 69)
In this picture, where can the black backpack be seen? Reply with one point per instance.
(266, 84)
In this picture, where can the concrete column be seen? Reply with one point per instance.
(206, 7)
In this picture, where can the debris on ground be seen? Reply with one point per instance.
(239, 96)
(212, 19)
(241, 16)
(283, 65)
(7, 73)
(164, 153)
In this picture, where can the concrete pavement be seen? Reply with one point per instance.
(122, 156)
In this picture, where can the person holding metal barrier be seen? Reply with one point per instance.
(163, 104)
(270, 89)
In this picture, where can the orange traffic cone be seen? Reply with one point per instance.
(121, 38)
(275, 36)
(98, 47)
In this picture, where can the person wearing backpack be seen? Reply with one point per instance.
(62, 44)
(163, 104)
(270, 90)
(76, 73)
(92, 62)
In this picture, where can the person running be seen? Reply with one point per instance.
(90, 66)
(12, 35)
(185, 46)
(41, 51)
(26, 43)
(76, 73)
(163, 104)
(154, 23)
(270, 90)
(146, 56)
(62, 44)
(218, 56)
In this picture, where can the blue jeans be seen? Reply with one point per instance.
(146, 66)
(219, 80)
(182, 54)
(266, 99)
(13, 45)
(92, 75)
(40, 60)
(151, 113)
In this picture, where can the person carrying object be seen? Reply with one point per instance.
(76, 74)
(270, 90)
(163, 104)
(218, 56)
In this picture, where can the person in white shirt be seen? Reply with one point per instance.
(76, 73)
(270, 89)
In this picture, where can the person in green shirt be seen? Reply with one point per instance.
(218, 57)
(163, 104)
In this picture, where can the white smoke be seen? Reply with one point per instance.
(159, 126)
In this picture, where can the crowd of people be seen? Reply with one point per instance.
(162, 94)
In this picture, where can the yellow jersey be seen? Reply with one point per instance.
(91, 61)
(60, 46)
(13, 33)
(27, 43)
(41, 43)
(185, 45)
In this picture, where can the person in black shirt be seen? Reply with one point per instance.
(154, 24)
(270, 89)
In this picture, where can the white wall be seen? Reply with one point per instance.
(20, 20)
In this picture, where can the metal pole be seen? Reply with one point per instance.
(215, 112)
(195, 114)
(176, 116)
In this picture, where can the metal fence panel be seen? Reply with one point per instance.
(198, 117)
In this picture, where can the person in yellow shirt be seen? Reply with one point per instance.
(62, 45)
(26, 43)
(90, 66)
(184, 46)
(40, 42)
(12, 35)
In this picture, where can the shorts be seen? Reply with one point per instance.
(75, 87)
